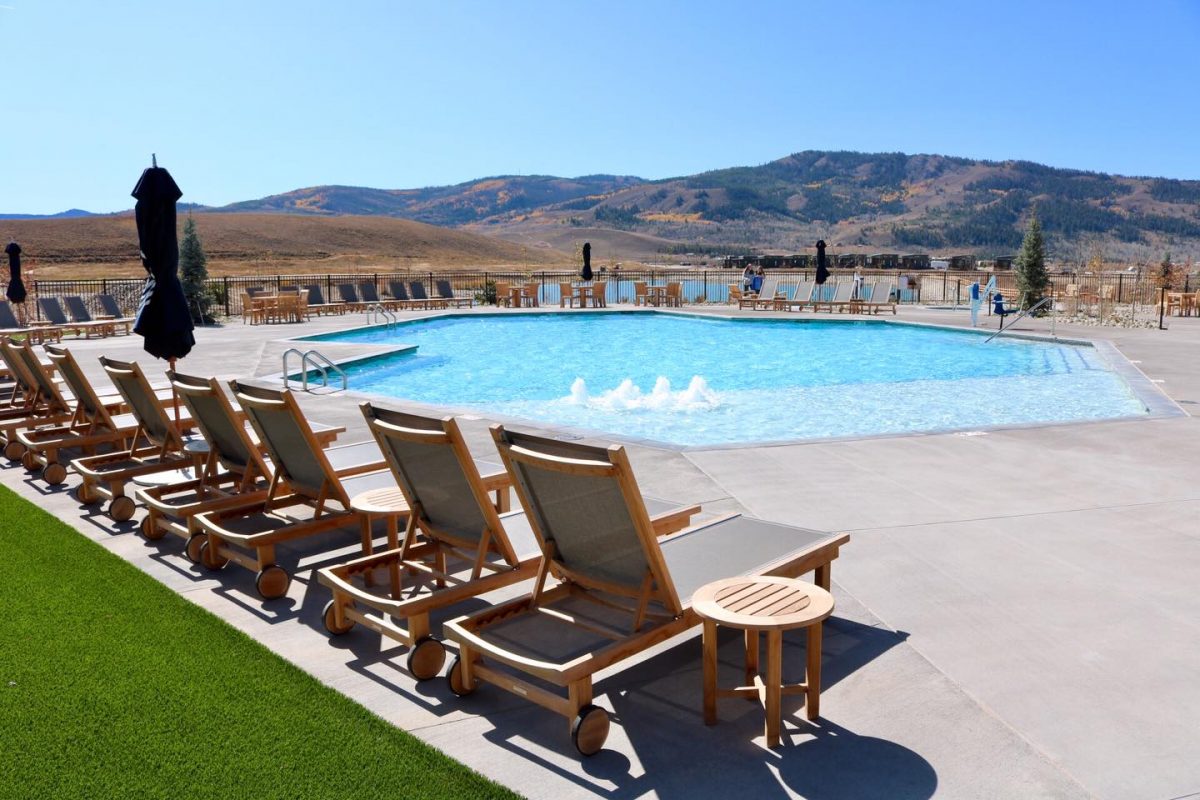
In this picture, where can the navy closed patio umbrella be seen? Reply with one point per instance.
(822, 267)
(587, 262)
(163, 319)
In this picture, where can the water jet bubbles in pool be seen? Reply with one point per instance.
(628, 396)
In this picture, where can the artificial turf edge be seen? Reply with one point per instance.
(112, 685)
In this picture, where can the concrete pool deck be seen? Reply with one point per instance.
(1017, 614)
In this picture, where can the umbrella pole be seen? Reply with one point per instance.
(174, 392)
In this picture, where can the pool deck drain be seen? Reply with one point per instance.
(1016, 611)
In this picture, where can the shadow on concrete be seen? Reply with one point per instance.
(657, 704)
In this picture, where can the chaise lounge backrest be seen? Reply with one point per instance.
(89, 405)
(109, 304)
(297, 456)
(435, 471)
(585, 507)
(8, 320)
(151, 416)
(346, 290)
(399, 290)
(52, 310)
(77, 309)
(220, 426)
(368, 292)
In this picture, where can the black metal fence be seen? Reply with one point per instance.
(699, 286)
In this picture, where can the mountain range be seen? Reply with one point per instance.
(929, 203)
(863, 201)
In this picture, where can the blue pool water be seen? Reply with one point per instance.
(693, 380)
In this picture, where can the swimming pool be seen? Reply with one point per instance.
(699, 380)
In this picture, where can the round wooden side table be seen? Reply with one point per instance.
(770, 605)
(387, 503)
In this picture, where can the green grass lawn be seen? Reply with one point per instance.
(111, 685)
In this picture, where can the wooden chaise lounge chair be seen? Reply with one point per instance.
(41, 401)
(446, 292)
(350, 299)
(421, 298)
(751, 299)
(304, 484)
(370, 295)
(460, 532)
(52, 310)
(156, 447)
(317, 303)
(96, 424)
(112, 310)
(879, 298)
(843, 296)
(235, 472)
(80, 314)
(802, 296)
(621, 589)
(9, 326)
(32, 402)
(465, 547)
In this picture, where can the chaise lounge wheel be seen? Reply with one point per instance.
(29, 462)
(426, 658)
(331, 623)
(153, 533)
(272, 581)
(85, 495)
(14, 450)
(121, 508)
(455, 679)
(590, 729)
(193, 548)
(54, 474)
(209, 557)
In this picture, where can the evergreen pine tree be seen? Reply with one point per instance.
(193, 272)
(1032, 279)
(1166, 272)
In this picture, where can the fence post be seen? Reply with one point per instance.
(225, 282)
(1120, 285)
(1162, 307)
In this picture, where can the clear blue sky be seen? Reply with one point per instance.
(248, 98)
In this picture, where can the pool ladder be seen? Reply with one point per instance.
(312, 361)
(377, 313)
(1026, 313)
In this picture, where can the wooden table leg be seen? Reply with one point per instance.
(821, 574)
(710, 672)
(774, 685)
(751, 659)
(394, 544)
(366, 545)
(812, 674)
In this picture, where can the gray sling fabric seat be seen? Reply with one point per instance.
(622, 588)
(446, 292)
